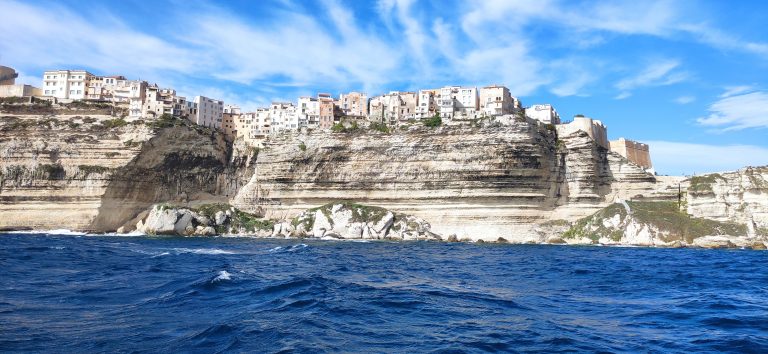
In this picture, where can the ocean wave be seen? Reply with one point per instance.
(210, 251)
(222, 276)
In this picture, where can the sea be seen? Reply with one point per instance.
(77, 293)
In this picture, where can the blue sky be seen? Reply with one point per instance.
(688, 77)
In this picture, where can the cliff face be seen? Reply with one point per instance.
(479, 183)
(740, 196)
(96, 172)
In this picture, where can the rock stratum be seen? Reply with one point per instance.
(505, 179)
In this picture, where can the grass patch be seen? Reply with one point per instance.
(114, 123)
(592, 227)
(703, 184)
(379, 127)
(666, 216)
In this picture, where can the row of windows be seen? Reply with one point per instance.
(49, 77)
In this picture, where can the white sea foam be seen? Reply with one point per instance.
(161, 254)
(275, 249)
(297, 247)
(202, 251)
(223, 275)
(65, 232)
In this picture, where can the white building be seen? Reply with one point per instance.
(209, 112)
(544, 113)
(308, 112)
(427, 103)
(66, 84)
(458, 102)
(283, 116)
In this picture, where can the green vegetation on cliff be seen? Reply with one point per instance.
(703, 184)
(662, 216)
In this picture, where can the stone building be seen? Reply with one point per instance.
(163, 101)
(594, 128)
(393, 108)
(229, 116)
(116, 89)
(635, 152)
(544, 113)
(8, 75)
(496, 100)
(66, 84)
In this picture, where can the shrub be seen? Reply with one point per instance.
(89, 169)
(434, 121)
(302, 146)
(381, 127)
(114, 123)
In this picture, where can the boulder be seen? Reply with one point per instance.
(555, 240)
(453, 238)
(713, 242)
(220, 217)
(183, 223)
(160, 221)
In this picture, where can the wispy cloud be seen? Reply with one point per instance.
(738, 110)
(685, 99)
(658, 73)
(677, 158)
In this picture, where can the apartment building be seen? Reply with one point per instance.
(353, 104)
(394, 107)
(326, 110)
(308, 112)
(283, 116)
(427, 103)
(209, 112)
(164, 101)
(544, 113)
(66, 84)
(496, 100)
(458, 102)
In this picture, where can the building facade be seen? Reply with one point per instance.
(19, 91)
(458, 102)
(496, 100)
(283, 116)
(594, 128)
(393, 108)
(308, 112)
(427, 103)
(209, 112)
(66, 84)
(326, 110)
(637, 153)
(354, 104)
(544, 113)
(164, 101)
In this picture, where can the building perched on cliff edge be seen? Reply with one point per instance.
(594, 128)
(66, 84)
(637, 153)
(544, 113)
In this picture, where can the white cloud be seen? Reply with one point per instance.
(676, 158)
(659, 73)
(738, 111)
(735, 90)
(685, 99)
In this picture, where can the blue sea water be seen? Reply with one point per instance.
(140, 294)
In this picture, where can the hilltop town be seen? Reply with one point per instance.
(450, 105)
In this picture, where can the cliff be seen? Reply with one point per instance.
(495, 180)
(86, 170)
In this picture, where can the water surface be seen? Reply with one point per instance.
(139, 294)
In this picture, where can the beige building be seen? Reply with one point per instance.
(496, 100)
(116, 89)
(8, 75)
(544, 113)
(635, 152)
(228, 118)
(594, 128)
(458, 102)
(66, 84)
(164, 101)
(393, 108)
(353, 104)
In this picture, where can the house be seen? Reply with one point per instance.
(326, 111)
(496, 100)
(544, 113)
(393, 108)
(163, 101)
(427, 103)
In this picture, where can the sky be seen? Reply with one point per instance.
(690, 78)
